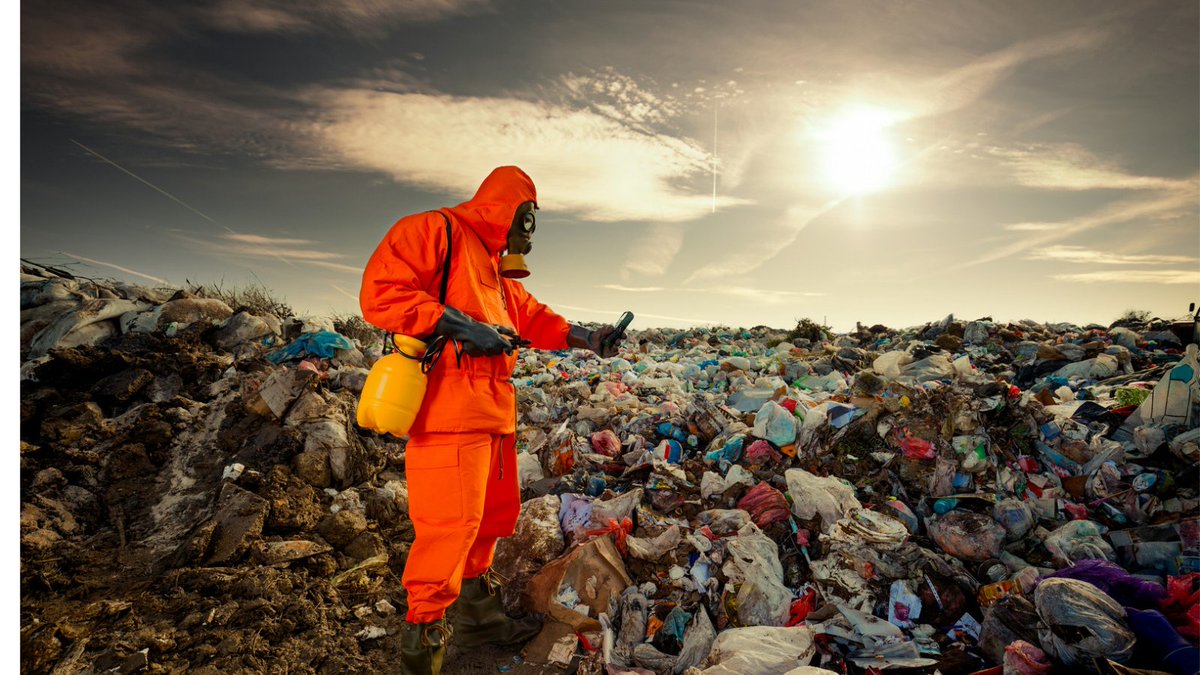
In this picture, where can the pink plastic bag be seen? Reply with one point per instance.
(1022, 658)
(766, 505)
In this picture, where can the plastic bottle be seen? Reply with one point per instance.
(394, 390)
(945, 505)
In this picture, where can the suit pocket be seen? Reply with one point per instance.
(435, 491)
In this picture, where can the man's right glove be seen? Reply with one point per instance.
(477, 338)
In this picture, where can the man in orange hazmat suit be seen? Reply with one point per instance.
(461, 461)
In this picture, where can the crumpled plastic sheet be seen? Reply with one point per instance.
(813, 495)
(759, 649)
(1079, 621)
(753, 562)
(1080, 540)
(966, 534)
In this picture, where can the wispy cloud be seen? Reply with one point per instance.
(1143, 208)
(260, 247)
(761, 296)
(964, 85)
(653, 252)
(261, 240)
(117, 267)
(1069, 166)
(600, 169)
(1032, 227)
(1080, 254)
(632, 289)
(1133, 277)
(363, 19)
(795, 220)
(640, 314)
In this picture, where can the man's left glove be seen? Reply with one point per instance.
(582, 338)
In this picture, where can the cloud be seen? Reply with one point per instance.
(796, 219)
(641, 315)
(260, 247)
(1079, 254)
(1133, 277)
(964, 85)
(363, 19)
(582, 162)
(1069, 166)
(118, 268)
(754, 295)
(266, 241)
(653, 252)
(1031, 227)
(631, 289)
(1180, 201)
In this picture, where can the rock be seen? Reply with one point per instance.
(239, 519)
(339, 529)
(67, 426)
(278, 391)
(163, 389)
(48, 479)
(189, 310)
(241, 328)
(366, 545)
(312, 467)
(124, 385)
(274, 552)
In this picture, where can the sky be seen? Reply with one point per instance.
(741, 164)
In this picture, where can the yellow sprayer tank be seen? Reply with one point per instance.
(394, 389)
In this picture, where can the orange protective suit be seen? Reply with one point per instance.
(460, 459)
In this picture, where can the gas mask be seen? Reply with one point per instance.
(512, 264)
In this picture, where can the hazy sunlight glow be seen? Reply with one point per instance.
(858, 154)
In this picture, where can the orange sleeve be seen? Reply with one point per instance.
(406, 262)
(535, 321)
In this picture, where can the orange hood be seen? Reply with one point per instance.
(490, 212)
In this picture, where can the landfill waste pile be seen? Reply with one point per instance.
(957, 497)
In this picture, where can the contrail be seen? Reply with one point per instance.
(344, 292)
(714, 155)
(116, 267)
(161, 191)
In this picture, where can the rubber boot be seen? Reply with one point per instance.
(479, 617)
(423, 646)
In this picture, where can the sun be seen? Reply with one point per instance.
(858, 154)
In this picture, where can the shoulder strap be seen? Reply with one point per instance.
(446, 264)
(388, 344)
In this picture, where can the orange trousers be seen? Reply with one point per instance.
(462, 497)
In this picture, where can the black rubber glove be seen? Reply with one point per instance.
(477, 338)
(582, 338)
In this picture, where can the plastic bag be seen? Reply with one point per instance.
(1174, 397)
(966, 535)
(1015, 517)
(1022, 658)
(759, 649)
(812, 495)
(1116, 581)
(1079, 621)
(762, 599)
(774, 423)
(1182, 604)
(1079, 540)
(765, 504)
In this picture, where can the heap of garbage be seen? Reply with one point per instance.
(953, 497)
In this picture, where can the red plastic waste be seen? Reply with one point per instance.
(766, 505)
(1182, 604)
(619, 531)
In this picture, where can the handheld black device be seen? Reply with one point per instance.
(619, 332)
